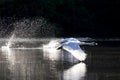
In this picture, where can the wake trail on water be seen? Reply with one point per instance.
(25, 48)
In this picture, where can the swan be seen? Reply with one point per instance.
(72, 45)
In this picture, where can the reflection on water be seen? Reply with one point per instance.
(38, 65)
(76, 72)
(20, 64)
(49, 64)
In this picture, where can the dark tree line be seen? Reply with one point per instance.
(94, 18)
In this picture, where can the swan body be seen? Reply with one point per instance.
(72, 46)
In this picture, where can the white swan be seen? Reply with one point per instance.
(72, 45)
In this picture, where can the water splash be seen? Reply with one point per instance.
(30, 28)
(52, 44)
(9, 43)
(27, 27)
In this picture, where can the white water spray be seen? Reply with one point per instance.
(9, 43)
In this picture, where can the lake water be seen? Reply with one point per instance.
(36, 63)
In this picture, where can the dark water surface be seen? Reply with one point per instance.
(102, 63)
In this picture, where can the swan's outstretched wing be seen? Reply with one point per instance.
(75, 50)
